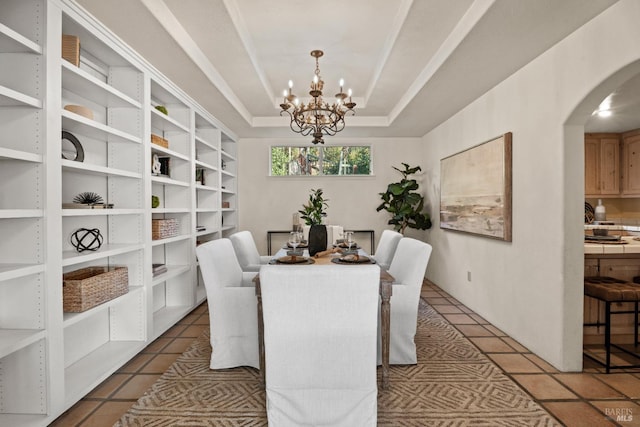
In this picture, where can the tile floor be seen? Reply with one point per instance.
(589, 399)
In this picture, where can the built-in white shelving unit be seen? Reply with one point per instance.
(49, 358)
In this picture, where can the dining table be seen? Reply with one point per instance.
(327, 258)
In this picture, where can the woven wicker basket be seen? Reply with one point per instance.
(164, 228)
(155, 139)
(85, 288)
(71, 49)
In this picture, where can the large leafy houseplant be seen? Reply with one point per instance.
(403, 202)
(314, 210)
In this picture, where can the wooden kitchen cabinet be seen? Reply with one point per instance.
(631, 163)
(602, 164)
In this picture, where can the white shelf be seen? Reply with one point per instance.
(13, 271)
(169, 181)
(166, 317)
(84, 84)
(228, 227)
(13, 42)
(205, 210)
(76, 123)
(205, 188)
(98, 170)
(12, 98)
(227, 209)
(12, 340)
(172, 271)
(166, 123)
(155, 148)
(200, 140)
(229, 174)
(224, 190)
(205, 165)
(91, 370)
(7, 153)
(227, 155)
(170, 240)
(21, 213)
(73, 318)
(170, 210)
(100, 212)
(207, 231)
(73, 257)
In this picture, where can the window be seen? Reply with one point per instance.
(326, 160)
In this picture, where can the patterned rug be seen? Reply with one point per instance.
(453, 384)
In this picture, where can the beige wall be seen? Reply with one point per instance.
(531, 288)
(268, 203)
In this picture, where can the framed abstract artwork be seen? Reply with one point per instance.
(475, 190)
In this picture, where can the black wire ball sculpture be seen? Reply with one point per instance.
(85, 239)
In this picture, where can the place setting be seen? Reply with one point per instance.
(296, 255)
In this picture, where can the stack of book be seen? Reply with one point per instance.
(200, 228)
(158, 269)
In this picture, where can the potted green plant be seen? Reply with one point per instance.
(312, 213)
(403, 202)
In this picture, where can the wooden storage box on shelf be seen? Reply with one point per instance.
(164, 228)
(91, 286)
(71, 49)
(155, 139)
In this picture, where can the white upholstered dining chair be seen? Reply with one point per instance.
(320, 344)
(408, 268)
(232, 301)
(386, 248)
(247, 251)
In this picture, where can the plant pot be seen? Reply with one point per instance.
(317, 239)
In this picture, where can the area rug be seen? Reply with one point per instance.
(453, 384)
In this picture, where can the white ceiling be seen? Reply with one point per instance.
(411, 63)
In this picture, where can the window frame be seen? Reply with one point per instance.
(321, 160)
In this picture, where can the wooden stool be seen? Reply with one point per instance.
(610, 290)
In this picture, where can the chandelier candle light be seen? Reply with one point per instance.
(317, 118)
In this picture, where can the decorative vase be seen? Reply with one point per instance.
(317, 239)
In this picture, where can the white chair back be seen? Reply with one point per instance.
(408, 268)
(320, 344)
(246, 251)
(232, 307)
(387, 248)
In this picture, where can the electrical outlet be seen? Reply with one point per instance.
(468, 276)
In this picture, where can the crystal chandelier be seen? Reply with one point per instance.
(318, 117)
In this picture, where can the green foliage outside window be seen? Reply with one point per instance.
(327, 160)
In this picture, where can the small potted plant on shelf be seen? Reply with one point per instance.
(403, 202)
(312, 213)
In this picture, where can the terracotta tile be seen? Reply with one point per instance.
(160, 363)
(431, 294)
(588, 386)
(193, 331)
(135, 364)
(107, 414)
(544, 387)
(178, 345)
(516, 345)
(459, 319)
(474, 331)
(76, 413)
(541, 363)
(438, 301)
(136, 386)
(189, 318)
(108, 386)
(491, 345)
(157, 345)
(577, 414)
(174, 331)
(627, 384)
(625, 412)
(496, 331)
(453, 301)
(448, 309)
(202, 320)
(479, 319)
(514, 363)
